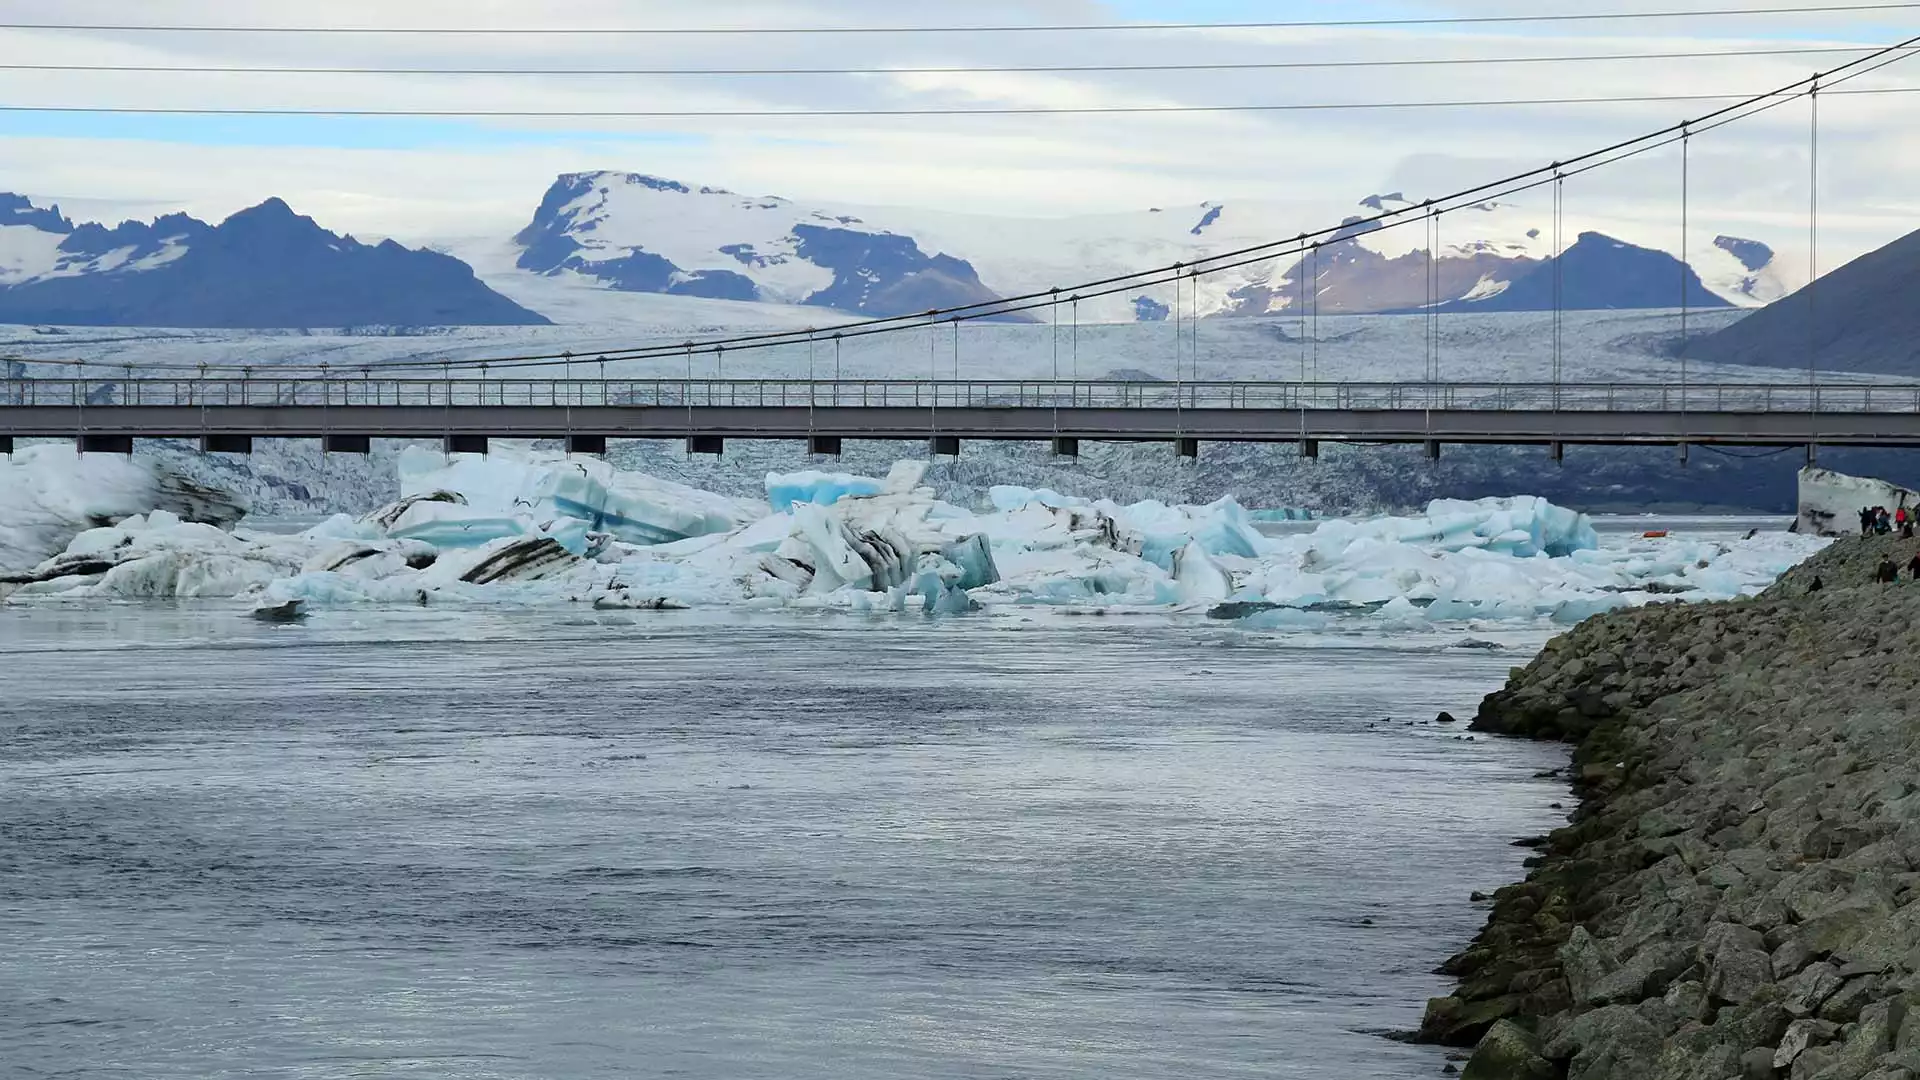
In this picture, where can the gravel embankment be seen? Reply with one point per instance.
(1737, 896)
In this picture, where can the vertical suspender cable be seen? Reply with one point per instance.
(1193, 361)
(1300, 272)
(1315, 275)
(1176, 334)
(1178, 418)
(1686, 269)
(1438, 297)
(1426, 313)
(933, 381)
(1560, 208)
(1053, 309)
(1076, 349)
(1813, 258)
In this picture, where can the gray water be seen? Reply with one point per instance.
(518, 845)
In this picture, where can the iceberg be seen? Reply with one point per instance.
(157, 555)
(50, 493)
(514, 492)
(529, 529)
(784, 490)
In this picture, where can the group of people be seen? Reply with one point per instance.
(1889, 572)
(1875, 520)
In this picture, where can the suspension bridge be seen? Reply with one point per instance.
(228, 406)
(227, 415)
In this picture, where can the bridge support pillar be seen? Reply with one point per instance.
(1433, 449)
(6, 444)
(948, 445)
(1066, 446)
(346, 444)
(105, 444)
(1188, 448)
(1558, 452)
(466, 444)
(823, 445)
(1813, 453)
(587, 444)
(1683, 455)
(1310, 449)
(226, 444)
(706, 444)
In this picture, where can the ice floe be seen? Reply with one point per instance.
(525, 528)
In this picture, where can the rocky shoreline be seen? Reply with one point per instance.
(1738, 895)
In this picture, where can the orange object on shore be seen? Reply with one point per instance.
(1660, 535)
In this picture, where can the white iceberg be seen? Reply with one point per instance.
(513, 492)
(50, 493)
(157, 555)
(525, 528)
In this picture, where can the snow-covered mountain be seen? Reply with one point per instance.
(1499, 256)
(264, 267)
(632, 233)
(616, 247)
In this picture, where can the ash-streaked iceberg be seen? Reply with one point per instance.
(526, 528)
(51, 493)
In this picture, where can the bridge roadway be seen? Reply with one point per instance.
(228, 414)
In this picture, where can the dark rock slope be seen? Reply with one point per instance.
(1860, 317)
(1739, 893)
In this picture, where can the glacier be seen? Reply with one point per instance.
(531, 528)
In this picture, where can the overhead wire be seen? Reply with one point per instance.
(1506, 187)
(1000, 28)
(1040, 69)
(800, 114)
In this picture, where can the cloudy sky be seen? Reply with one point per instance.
(420, 178)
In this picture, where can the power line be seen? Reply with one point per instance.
(1045, 69)
(1476, 20)
(1094, 110)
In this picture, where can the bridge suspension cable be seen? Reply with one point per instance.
(1554, 174)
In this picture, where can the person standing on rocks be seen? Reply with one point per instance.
(1913, 566)
(1866, 520)
(1889, 572)
(1883, 523)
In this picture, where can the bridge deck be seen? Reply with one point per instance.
(1761, 415)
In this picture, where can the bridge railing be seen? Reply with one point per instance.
(262, 391)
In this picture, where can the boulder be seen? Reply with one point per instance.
(1802, 1034)
(1508, 1052)
(1736, 974)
